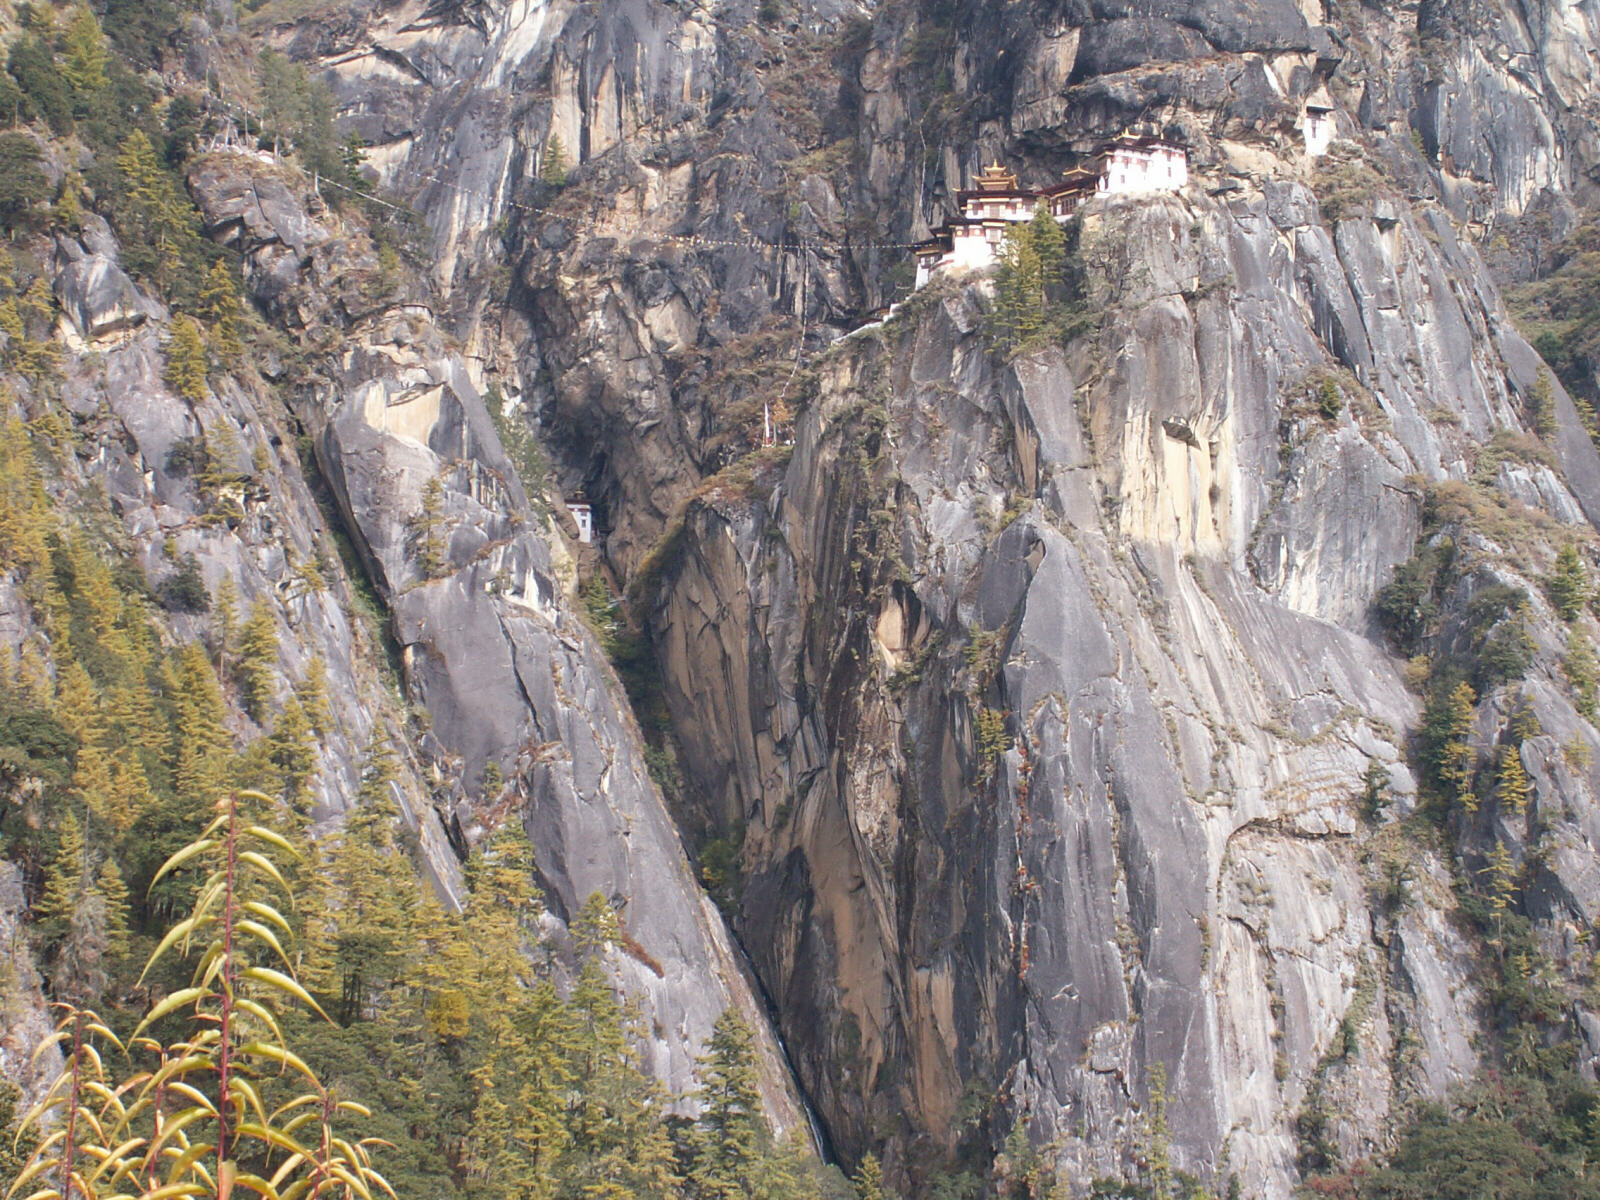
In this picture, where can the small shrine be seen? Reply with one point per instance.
(1318, 128)
(583, 516)
(1130, 165)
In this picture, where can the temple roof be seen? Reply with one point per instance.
(995, 178)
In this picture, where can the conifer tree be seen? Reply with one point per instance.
(159, 226)
(186, 361)
(84, 67)
(63, 882)
(24, 509)
(258, 659)
(225, 606)
(730, 1136)
(77, 704)
(1511, 788)
(220, 309)
(292, 747)
(201, 744)
(112, 893)
(1582, 672)
(68, 212)
(1568, 585)
(1157, 1149)
(94, 789)
(428, 527)
(1542, 406)
(81, 923)
(313, 693)
(370, 924)
(1447, 731)
(869, 1180)
(1502, 871)
(553, 166)
(1050, 245)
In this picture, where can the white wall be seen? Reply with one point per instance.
(1318, 132)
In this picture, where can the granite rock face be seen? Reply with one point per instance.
(1042, 693)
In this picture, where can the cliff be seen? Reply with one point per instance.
(1057, 725)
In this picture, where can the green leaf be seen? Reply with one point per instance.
(170, 1005)
(187, 1159)
(284, 1058)
(262, 934)
(273, 839)
(261, 1013)
(284, 983)
(272, 1137)
(243, 1087)
(258, 1185)
(177, 933)
(354, 1181)
(118, 1157)
(181, 857)
(264, 864)
(267, 913)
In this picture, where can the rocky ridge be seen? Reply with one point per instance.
(980, 669)
(1041, 696)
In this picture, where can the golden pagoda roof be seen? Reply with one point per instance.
(995, 178)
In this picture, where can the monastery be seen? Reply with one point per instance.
(1130, 165)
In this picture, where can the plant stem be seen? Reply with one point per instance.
(227, 979)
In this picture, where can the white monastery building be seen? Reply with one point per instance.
(583, 514)
(1318, 129)
(1130, 165)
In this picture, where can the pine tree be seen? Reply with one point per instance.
(63, 882)
(1446, 735)
(112, 893)
(370, 921)
(77, 704)
(225, 607)
(186, 361)
(219, 307)
(1157, 1149)
(428, 529)
(24, 509)
(159, 226)
(1583, 673)
(730, 1136)
(1567, 586)
(869, 1180)
(1050, 245)
(1542, 406)
(86, 58)
(258, 660)
(201, 745)
(1511, 788)
(1502, 871)
(553, 166)
(292, 747)
(313, 693)
(74, 921)
(68, 212)
(595, 927)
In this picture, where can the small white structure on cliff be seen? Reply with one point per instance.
(1134, 164)
(1130, 165)
(1318, 129)
(583, 515)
